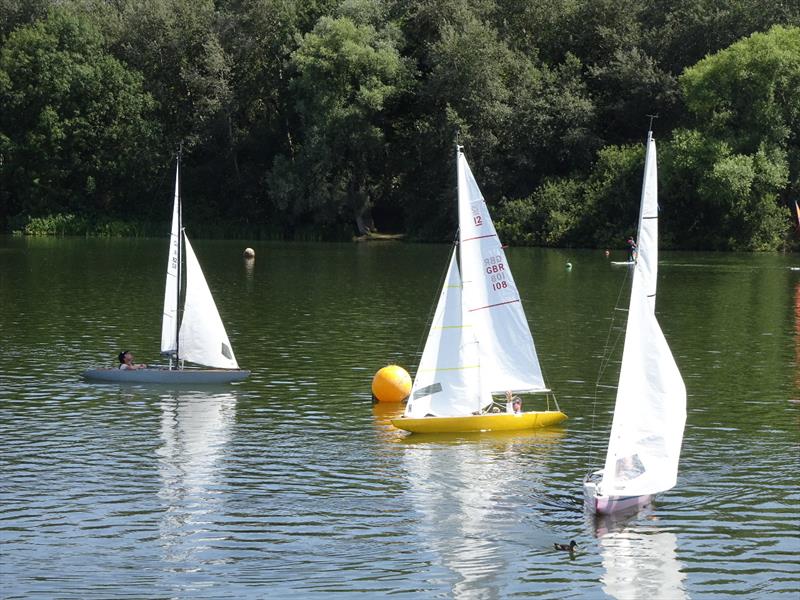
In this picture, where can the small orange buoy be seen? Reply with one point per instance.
(391, 384)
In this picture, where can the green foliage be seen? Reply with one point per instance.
(612, 195)
(551, 217)
(74, 119)
(71, 224)
(346, 74)
(748, 92)
(733, 172)
(316, 117)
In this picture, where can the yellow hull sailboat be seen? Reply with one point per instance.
(483, 422)
(479, 343)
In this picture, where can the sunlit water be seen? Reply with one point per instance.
(292, 484)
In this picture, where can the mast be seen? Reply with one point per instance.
(180, 259)
(458, 229)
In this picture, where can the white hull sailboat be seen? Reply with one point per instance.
(650, 412)
(198, 337)
(479, 342)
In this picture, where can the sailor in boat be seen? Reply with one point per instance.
(631, 248)
(513, 403)
(126, 361)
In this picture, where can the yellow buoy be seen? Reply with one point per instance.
(391, 384)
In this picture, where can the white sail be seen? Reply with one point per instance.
(491, 300)
(650, 411)
(447, 381)
(202, 335)
(647, 248)
(169, 321)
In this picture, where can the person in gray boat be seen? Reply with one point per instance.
(126, 361)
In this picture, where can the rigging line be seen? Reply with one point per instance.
(605, 360)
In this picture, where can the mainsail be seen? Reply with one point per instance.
(203, 339)
(447, 381)
(650, 412)
(491, 301)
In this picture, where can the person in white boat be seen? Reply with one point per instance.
(126, 361)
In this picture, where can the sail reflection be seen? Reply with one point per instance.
(468, 492)
(195, 430)
(640, 561)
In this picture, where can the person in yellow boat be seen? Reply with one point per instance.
(513, 403)
(126, 361)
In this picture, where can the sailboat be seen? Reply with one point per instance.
(479, 342)
(650, 411)
(199, 336)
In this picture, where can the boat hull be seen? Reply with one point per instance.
(607, 505)
(166, 376)
(486, 422)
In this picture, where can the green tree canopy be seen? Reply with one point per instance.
(346, 73)
(75, 122)
(731, 175)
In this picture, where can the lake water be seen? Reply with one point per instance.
(291, 484)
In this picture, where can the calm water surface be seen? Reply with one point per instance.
(291, 484)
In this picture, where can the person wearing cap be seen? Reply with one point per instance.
(126, 361)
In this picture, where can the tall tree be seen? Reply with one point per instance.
(76, 123)
(346, 71)
(743, 156)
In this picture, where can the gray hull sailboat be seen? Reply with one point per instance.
(197, 336)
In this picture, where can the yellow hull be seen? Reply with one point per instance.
(487, 422)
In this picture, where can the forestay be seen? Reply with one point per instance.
(447, 381)
(169, 321)
(491, 301)
(203, 339)
(650, 412)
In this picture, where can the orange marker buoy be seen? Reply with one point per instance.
(391, 384)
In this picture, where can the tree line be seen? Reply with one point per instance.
(325, 118)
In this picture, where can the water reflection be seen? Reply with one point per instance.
(640, 561)
(195, 431)
(468, 491)
(249, 270)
